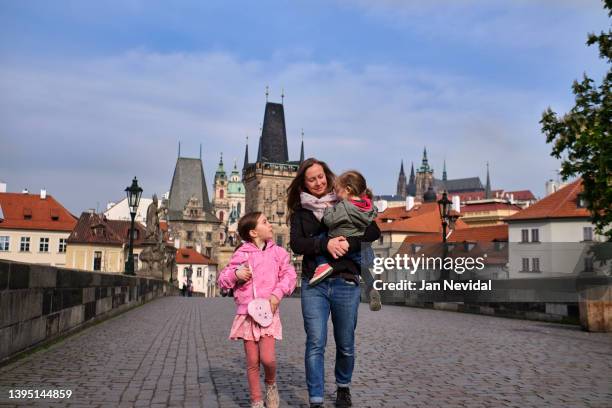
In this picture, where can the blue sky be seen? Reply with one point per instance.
(93, 93)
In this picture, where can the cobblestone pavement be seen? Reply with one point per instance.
(174, 352)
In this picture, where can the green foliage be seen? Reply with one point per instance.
(584, 135)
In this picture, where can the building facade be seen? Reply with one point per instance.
(34, 228)
(228, 202)
(197, 268)
(551, 237)
(99, 244)
(191, 221)
(266, 180)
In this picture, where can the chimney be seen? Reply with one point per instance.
(2, 187)
(43, 194)
(110, 205)
(512, 198)
(456, 203)
(409, 203)
(91, 210)
(24, 191)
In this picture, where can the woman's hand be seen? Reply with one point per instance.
(337, 247)
(243, 273)
(274, 303)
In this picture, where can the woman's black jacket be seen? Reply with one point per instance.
(304, 240)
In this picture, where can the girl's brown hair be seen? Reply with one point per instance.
(355, 183)
(247, 223)
(298, 183)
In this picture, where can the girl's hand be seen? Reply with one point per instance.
(244, 273)
(337, 247)
(274, 303)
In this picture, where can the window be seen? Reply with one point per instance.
(238, 208)
(208, 251)
(189, 235)
(535, 264)
(279, 240)
(587, 233)
(25, 244)
(381, 239)
(135, 258)
(221, 215)
(4, 243)
(524, 235)
(221, 193)
(97, 263)
(43, 245)
(525, 265)
(199, 272)
(535, 235)
(209, 236)
(62, 245)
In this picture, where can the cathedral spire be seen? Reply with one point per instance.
(401, 183)
(488, 185)
(411, 188)
(424, 163)
(444, 171)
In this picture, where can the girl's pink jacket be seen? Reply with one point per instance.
(271, 270)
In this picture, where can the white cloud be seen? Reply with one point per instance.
(96, 123)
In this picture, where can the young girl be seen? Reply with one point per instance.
(350, 217)
(274, 277)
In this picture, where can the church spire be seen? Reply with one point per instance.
(424, 163)
(401, 182)
(302, 148)
(444, 171)
(246, 154)
(411, 188)
(488, 185)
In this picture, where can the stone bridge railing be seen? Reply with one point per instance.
(39, 304)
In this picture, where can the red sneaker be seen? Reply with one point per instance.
(320, 273)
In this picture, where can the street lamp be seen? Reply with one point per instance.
(448, 219)
(133, 193)
(444, 205)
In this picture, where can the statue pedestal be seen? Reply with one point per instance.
(596, 304)
(153, 259)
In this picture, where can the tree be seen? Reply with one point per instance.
(584, 135)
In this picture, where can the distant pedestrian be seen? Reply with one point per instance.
(259, 268)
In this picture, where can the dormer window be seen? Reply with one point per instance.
(581, 201)
(98, 231)
(54, 214)
(27, 213)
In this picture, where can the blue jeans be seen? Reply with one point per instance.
(339, 297)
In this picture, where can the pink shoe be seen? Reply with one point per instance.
(320, 273)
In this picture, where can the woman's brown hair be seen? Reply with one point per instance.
(247, 223)
(355, 184)
(298, 183)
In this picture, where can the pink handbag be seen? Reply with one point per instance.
(259, 308)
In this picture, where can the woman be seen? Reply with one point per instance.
(308, 196)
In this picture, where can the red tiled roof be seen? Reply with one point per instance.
(472, 234)
(191, 256)
(466, 208)
(97, 229)
(521, 195)
(42, 214)
(421, 219)
(560, 204)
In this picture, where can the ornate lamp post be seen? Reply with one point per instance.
(133, 195)
(444, 205)
(448, 219)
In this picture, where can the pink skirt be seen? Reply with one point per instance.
(244, 327)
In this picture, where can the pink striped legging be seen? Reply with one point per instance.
(257, 352)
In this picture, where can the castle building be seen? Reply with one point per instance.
(267, 178)
(191, 221)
